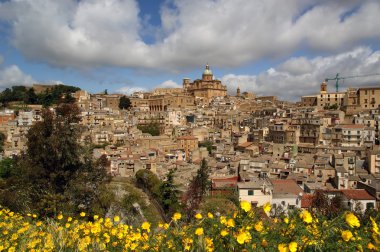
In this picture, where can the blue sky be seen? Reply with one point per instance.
(271, 47)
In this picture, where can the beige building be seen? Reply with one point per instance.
(369, 97)
(163, 102)
(325, 99)
(188, 144)
(206, 88)
(373, 159)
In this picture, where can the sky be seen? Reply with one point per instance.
(269, 47)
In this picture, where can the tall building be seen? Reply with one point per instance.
(205, 88)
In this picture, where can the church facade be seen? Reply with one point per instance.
(206, 88)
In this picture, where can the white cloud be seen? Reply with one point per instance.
(130, 90)
(91, 33)
(296, 66)
(287, 82)
(244, 82)
(169, 84)
(12, 75)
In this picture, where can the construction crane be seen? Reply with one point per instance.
(337, 78)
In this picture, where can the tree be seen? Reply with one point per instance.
(2, 139)
(55, 174)
(198, 188)
(148, 181)
(169, 194)
(6, 168)
(152, 128)
(208, 144)
(124, 102)
(325, 206)
(31, 97)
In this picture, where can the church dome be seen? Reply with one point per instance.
(207, 70)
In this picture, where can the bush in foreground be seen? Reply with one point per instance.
(246, 230)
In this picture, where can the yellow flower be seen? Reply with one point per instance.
(264, 243)
(145, 226)
(116, 219)
(243, 237)
(38, 223)
(198, 216)
(96, 217)
(60, 217)
(69, 219)
(67, 225)
(352, 220)
(267, 207)
(282, 247)
(371, 246)
(259, 226)
(230, 223)
(346, 235)
(286, 220)
(245, 205)
(199, 231)
(375, 227)
(176, 216)
(293, 246)
(223, 232)
(210, 215)
(306, 216)
(82, 214)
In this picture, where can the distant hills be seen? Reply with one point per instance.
(45, 95)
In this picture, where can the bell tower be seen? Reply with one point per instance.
(323, 87)
(207, 74)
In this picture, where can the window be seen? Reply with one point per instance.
(250, 192)
(370, 205)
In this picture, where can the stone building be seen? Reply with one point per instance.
(369, 97)
(205, 88)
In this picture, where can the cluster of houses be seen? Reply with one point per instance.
(260, 148)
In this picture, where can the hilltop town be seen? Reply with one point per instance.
(258, 147)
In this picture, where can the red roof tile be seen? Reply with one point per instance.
(357, 194)
(306, 200)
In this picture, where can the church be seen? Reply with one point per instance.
(206, 88)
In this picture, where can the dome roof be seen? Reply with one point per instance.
(207, 70)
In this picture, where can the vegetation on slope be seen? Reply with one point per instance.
(53, 95)
(245, 230)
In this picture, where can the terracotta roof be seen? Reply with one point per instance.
(245, 145)
(350, 126)
(306, 200)
(283, 186)
(224, 182)
(357, 194)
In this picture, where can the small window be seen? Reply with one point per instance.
(250, 192)
(370, 205)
